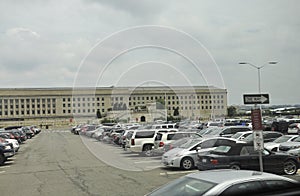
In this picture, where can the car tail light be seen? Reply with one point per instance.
(214, 161)
(161, 144)
(132, 142)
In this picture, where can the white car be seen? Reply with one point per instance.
(15, 144)
(229, 182)
(241, 135)
(294, 128)
(163, 139)
(186, 155)
(274, 146)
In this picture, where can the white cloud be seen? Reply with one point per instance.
(22, 33)
(48, 40)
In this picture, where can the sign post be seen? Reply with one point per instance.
(256, 117)
(256, 99)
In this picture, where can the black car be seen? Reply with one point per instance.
(6, 151)
(243, 156)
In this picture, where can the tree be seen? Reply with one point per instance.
(231, 111)
(98, 114)
(176, 111)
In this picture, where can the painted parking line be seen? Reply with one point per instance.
(5, 166)
(150, 161)
(154, 167)
(178, 172)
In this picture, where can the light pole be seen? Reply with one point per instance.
(258, 70)
(259, 91)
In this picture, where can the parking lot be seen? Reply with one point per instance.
(57, 162)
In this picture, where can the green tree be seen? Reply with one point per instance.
(231, 111)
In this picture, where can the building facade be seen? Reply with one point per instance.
(194, 102)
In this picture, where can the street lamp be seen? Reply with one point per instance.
(258, 70)
(259, 90)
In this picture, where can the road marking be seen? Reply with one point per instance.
(9, 161)
(154, 167)
(150, 161)
(6, 166)
(1, 172)
(177, 172)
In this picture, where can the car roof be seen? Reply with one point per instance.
(230, 176)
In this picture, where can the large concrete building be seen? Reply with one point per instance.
(195, 102)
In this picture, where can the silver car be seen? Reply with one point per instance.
(227, 182)
(186, 155)
(273, 146)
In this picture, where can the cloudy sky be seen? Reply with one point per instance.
(147, 42)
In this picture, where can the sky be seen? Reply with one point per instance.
(72, 43)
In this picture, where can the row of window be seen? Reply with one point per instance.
(36, 100)
(78, 111)
(27, 112)
(27, 106)
(82, 99)
(198, 107)
(144, 98)
(82, 105)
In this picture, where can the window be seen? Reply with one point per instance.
(244, 188)
(208, 143)
(145, 134)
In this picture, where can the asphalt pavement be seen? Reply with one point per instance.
(57, 162)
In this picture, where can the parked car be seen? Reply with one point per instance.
(241, 135)
(87, 128)
(243, 156)
(6, 151)
(227, 183)
(274, 146)
(186, 155)
(268, 136)
(294, 128)
(142, 141)
(163, 139)
(125, 139)
(226, 131)
(286, 146)
(29, 133)
(14, 142)
(177, 143)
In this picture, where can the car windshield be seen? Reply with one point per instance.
(297, 139)
(237, 135)
(189, 144)
(214, 131)
(283, 138)
(184, 186)
(221, 150)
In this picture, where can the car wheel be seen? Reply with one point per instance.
(147, 150)
(290, 167)
(187, 163)
(2, 159)
(235, 166)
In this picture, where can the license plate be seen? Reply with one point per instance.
(204, 160)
